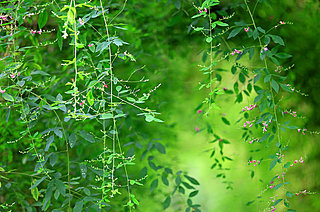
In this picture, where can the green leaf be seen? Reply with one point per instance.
(225, 121)
(255, 34)
(43, 18)
(287, 165)
(209, 39)
(102, 46)
(35, 193)
(160, 147)
(49, 141)
(267, 78)
(239, 98)
(278, 186)
(70, 17)
(164, 180)
(283, 55)
(276, 202)
(61, 187)
(275, 85)
(267, 40)
(219, 23)
(233, 69)
(285, 87)
(72, 139)
(194, 193)
(59, 40)
(234, 32)
(87, 191)
(135, 201)
(48, 195)
(38, 182)
(78, 206)
(265, 137)
(106, 116)
(90, 98)
(166, 203)
(53, 159)
(192, 180)
(273, 163)
(87, 136)
(154, 185)
(289, 194)
(277, 39)
(131, 99)
(292, 127)
(242, 78)
(7, 97)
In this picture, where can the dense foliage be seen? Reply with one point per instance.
(156, 105)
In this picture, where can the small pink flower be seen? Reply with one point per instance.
(299, 130)
(200, 11)
(12, 76)
(265, 49)
(246, 29)
(281, 22)
(33, 32)
(40, 31)
(81, 103)
(105, 85)
(81, 21)
(205, 10)
(2, 91)
(199, 111)
(197, 129)
(90, 45)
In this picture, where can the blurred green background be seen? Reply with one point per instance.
(174, 55)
